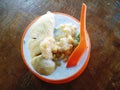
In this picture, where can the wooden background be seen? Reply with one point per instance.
(103, 25)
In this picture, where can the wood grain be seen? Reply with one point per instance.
(103, 25)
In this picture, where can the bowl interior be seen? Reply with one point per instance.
(61, 72)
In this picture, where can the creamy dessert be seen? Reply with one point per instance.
(49, 45)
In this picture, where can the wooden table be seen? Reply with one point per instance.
(103, 26)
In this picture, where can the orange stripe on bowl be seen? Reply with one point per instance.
(65, 80)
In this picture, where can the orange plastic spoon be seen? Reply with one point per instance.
(82, 46)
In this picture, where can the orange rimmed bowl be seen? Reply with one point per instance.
(61, 74)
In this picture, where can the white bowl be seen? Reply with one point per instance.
(61, 74)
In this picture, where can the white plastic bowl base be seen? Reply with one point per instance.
(61, 72)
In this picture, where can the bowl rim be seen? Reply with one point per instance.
(60, 81)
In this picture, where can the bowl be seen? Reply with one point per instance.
(61, 74)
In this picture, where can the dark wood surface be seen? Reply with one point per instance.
(103, 25)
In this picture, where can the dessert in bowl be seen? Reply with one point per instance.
(47, 44)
